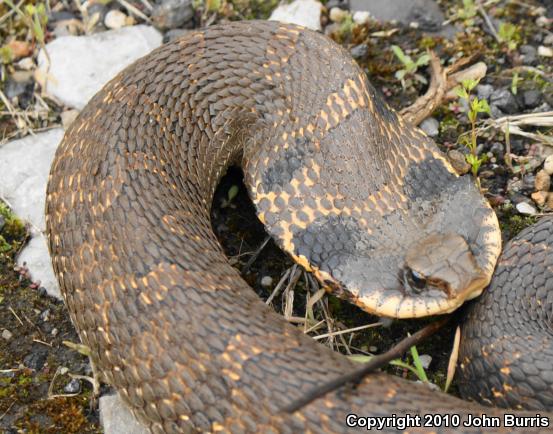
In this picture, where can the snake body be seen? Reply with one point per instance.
(346, 187)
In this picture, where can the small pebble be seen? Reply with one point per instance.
(484, 91)
(548, 165)
(67, 117)
(115, 19)
(266, 281)
(543, 21)
(45, 316)
(36, 359)
(531, 98)
(337, 15)
(430, 126)
(6, 334)
(373, 349)
(42, 291)
(529, 54)
(359, 51)
(74, 386)
(458, 161)
(173, 14)
(539, 197)
(545, 51)
(504, 100)
(526, 208)
(543, 181)
(54, 332)
(26, 64)
(361, 17)
(425, 360)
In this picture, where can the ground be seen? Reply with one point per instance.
(34, 362)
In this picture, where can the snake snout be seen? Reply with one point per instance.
(443, 261)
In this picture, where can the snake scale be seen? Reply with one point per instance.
(352, 192)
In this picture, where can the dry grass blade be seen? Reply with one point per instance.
(133, 10)
(513, 124)
(351, 330)
(452, 365)
(280, 284)
(289, 293)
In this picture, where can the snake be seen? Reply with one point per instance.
(351, 191)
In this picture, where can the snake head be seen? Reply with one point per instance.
(443, 262)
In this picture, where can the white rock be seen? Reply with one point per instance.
(81, 65)
(548, 165)
(6, 334)
(361, 17)
(545, 51)
(543, 21)
(266, 281)
(337, 15)
(25, 165)
(526, 208)
(305, 13)
(116, 418)
(115, 19)
(37, 258)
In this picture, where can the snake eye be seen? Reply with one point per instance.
(417, 281)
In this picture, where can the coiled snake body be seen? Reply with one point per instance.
(356, 195)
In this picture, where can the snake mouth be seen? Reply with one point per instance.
(439, 274)
(398, 304)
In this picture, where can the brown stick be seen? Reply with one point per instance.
(376, 362)
(425, 105)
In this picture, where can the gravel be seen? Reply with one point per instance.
(505, 101)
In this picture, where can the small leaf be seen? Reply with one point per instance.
(462, 93)
(400, 74)
(484, 106)
(421, 78)
(403, 58)
(469, 83)
(359, 358)
(232, 192)
(423, 60)
(418, 365)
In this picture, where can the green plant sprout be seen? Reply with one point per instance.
(409, 65)
(475, 107)
(6, 54)
(509, 34)
(467, 12)
(417, 369)
(514, 83)
(346, 26)
(35, 18)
